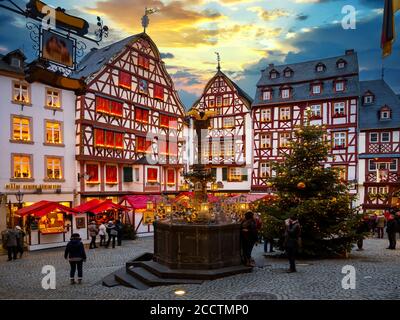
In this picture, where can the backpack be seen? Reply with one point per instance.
(114, 232)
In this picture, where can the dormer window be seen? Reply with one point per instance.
(15, 62)
(320, 67)
(368, 99)
(316, 88)
(285, 93)
(385, 113)
(267, 95)
(274, 74)
(288, 72)
(341, 64)
(339, 86)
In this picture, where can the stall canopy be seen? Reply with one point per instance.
(43, 208)
(249, 198)
(139, 202)
(96, 206)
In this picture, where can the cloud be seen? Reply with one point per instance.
(269, 15)
(167, 55)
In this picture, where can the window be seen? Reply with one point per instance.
(393, 165)
(342, 170)
(22, 166)
(158, 92)
(285, 93)
(170, 177)
(235, 175)
(137, 175)
(372, 190)
(228, 122)
(316, 89)
(267, 95)
(111, 107)
(373, 137)
(142, 145)
(21, 129)
(339, 86)
(152, 175)
(142, 115)
(274, 75)
(108, 139)
(265, 115)
(288, 73)
(265, 171)
(111, 174)
(54, 168)
(284, 113)
(215, 148)
(320, 67)
(21, 93)
(227, 149)
(93, 172)
(284, 140)
(383, 190)
(266, 141)
(372, 165)
(385, 114)
(385, 137)
(339, 109)
(144, 62)
(128, 174)
(211, 103)
(53, 132)
(339, 140)
(219, 101)
(368, 99)
(125, 80)
(227, 102)
(15, 62)
(316, 111)
(340, 64)
(53, 98)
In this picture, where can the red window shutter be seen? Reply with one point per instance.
(140, 144)
(158, 92)
(164, 121)
(125, 79)
(116, 108)
(173, 149)
(162, 147)
(138, 114)
(93, 171)
(171, 177)
(173, 123)
(110, 139)
(111, 174)
(144, 62)
(99, 137)
(102, 105)
(148, 145)
(119, 140)
(152, 174)
(145, 116)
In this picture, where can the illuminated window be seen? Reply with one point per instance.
(228, 122)
(265, 170)
(159, 92)
(53, 98)
(266, 115)
(235, 175)
(125, 80)
(93, 172)
(142, 115)
(21, 129)
(339, 139)
(211, 103)
(142, 145)
(284, 113)
(54, 168)
(111, 174)
(21, 92)
(228, 150)
(22, 166)
(215, 149)
(53, 132)
(144, 62)
(342, 170)
(227, 102)
(339, 109)
(265, 141)
(152, 175)
(219, 101)
(284, 139)
(316, 111)
(170, 177)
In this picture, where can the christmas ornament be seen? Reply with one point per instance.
(301, 185)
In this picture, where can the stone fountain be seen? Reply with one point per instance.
(206, 248)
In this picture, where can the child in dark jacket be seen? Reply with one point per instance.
(75, 253)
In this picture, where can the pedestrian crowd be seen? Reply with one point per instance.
(13, 242)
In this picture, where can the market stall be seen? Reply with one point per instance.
(102, 211)
(50, 224)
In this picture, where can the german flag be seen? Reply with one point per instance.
(388, 29)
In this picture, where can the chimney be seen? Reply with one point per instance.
(349, 52)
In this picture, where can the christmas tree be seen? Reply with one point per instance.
(314, 193)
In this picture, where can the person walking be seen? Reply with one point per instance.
(391, 229)
(119, 227)
(249, 236)
(380, 225)
(93, 231)
(75, 253)
(112, 234)
(20, 240)
(292, 241)
(102, 234)
(10, 243)
(362, 229)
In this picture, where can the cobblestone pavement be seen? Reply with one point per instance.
(378, 277)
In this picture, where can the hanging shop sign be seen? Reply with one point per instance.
(57, 48)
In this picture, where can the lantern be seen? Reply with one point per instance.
(149, 206)
(168, 208)
(204, 208)
(214, 186)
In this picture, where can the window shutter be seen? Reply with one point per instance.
(128, 174)
(244, 174)
(224, 174)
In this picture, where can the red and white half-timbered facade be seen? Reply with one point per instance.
(226, 147)
(129, 123)
(326, 88)
(379, 146)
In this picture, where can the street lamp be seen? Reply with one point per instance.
(19, 196)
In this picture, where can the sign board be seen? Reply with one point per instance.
(57, 48)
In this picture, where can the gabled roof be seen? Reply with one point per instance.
(240, 91)
(384, 96)
(304, 73)
(5, 63)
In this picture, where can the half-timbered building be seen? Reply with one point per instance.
(329, 89)
(227, 145)
(379, 146)
(129, 123)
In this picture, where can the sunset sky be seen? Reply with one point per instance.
(249, 34)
